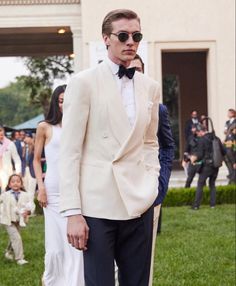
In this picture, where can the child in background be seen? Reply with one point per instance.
(15, 208)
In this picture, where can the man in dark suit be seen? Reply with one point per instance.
(193, 121)
(204, 154)
(230, 143)
(190, 148)
(166, 157)
(15, 137)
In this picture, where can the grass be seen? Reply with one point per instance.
(195, 248)
(12, 274)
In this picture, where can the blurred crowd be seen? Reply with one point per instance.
(16, 156)
(17, 151)
(196, 131)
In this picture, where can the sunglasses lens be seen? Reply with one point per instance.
(137, 37)
(123, 37)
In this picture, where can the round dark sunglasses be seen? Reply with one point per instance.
(124, 36)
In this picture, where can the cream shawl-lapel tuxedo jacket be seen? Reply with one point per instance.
(108, 169)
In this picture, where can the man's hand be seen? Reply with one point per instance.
(77, 232)
(193, 159)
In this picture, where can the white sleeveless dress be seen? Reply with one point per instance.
(63, 263)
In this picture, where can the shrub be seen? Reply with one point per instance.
(185, 196)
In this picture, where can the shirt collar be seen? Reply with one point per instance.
(13, 192)
(114, 67)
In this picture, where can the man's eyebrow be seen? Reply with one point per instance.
(121, 31)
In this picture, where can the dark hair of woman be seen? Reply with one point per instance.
(54, 115)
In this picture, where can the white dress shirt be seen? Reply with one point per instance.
(126, 90)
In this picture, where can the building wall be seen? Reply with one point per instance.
(203, 25)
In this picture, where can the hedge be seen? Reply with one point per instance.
(185, 196)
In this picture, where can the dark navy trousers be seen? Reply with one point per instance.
(128, 242)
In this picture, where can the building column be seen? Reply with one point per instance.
(77, 49)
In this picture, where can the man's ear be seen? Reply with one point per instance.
(106, 39)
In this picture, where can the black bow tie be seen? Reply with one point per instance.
(124, 71)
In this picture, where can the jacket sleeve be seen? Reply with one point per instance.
(75, 118)
(15, 157)
(166, 153)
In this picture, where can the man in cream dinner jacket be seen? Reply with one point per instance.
(109, 160)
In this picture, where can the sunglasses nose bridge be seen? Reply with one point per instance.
(130, 39)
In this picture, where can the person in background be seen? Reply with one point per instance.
(22, 135)
(15, 208)
(193, 121)
(166, 157)
(15, 135)
(230, 145)
(8, 155)
(29, 175)
(190, 150)
(22, 151)
(204, 155)
(63, 263)
(204, 121)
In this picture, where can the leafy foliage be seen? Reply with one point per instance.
(30, 95)
(15, 106)
(43, 72)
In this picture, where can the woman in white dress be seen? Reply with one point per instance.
(63, 263)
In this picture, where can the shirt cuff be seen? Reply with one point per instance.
(71, 212)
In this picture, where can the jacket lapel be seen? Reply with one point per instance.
(141, 117)
(118, 118)
(125, 134)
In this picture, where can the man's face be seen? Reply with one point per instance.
(122, 52)
(137, 65)
(17, 135)
(230, 114)
(194, 114)
(22, 135)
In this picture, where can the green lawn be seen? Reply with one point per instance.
(195, 248)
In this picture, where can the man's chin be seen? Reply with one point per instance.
(128, 58)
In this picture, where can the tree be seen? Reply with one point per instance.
(15, 106)
(43, 72)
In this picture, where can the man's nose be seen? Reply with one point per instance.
(130, 40)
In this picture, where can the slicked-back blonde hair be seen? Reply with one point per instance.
(115, 15)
